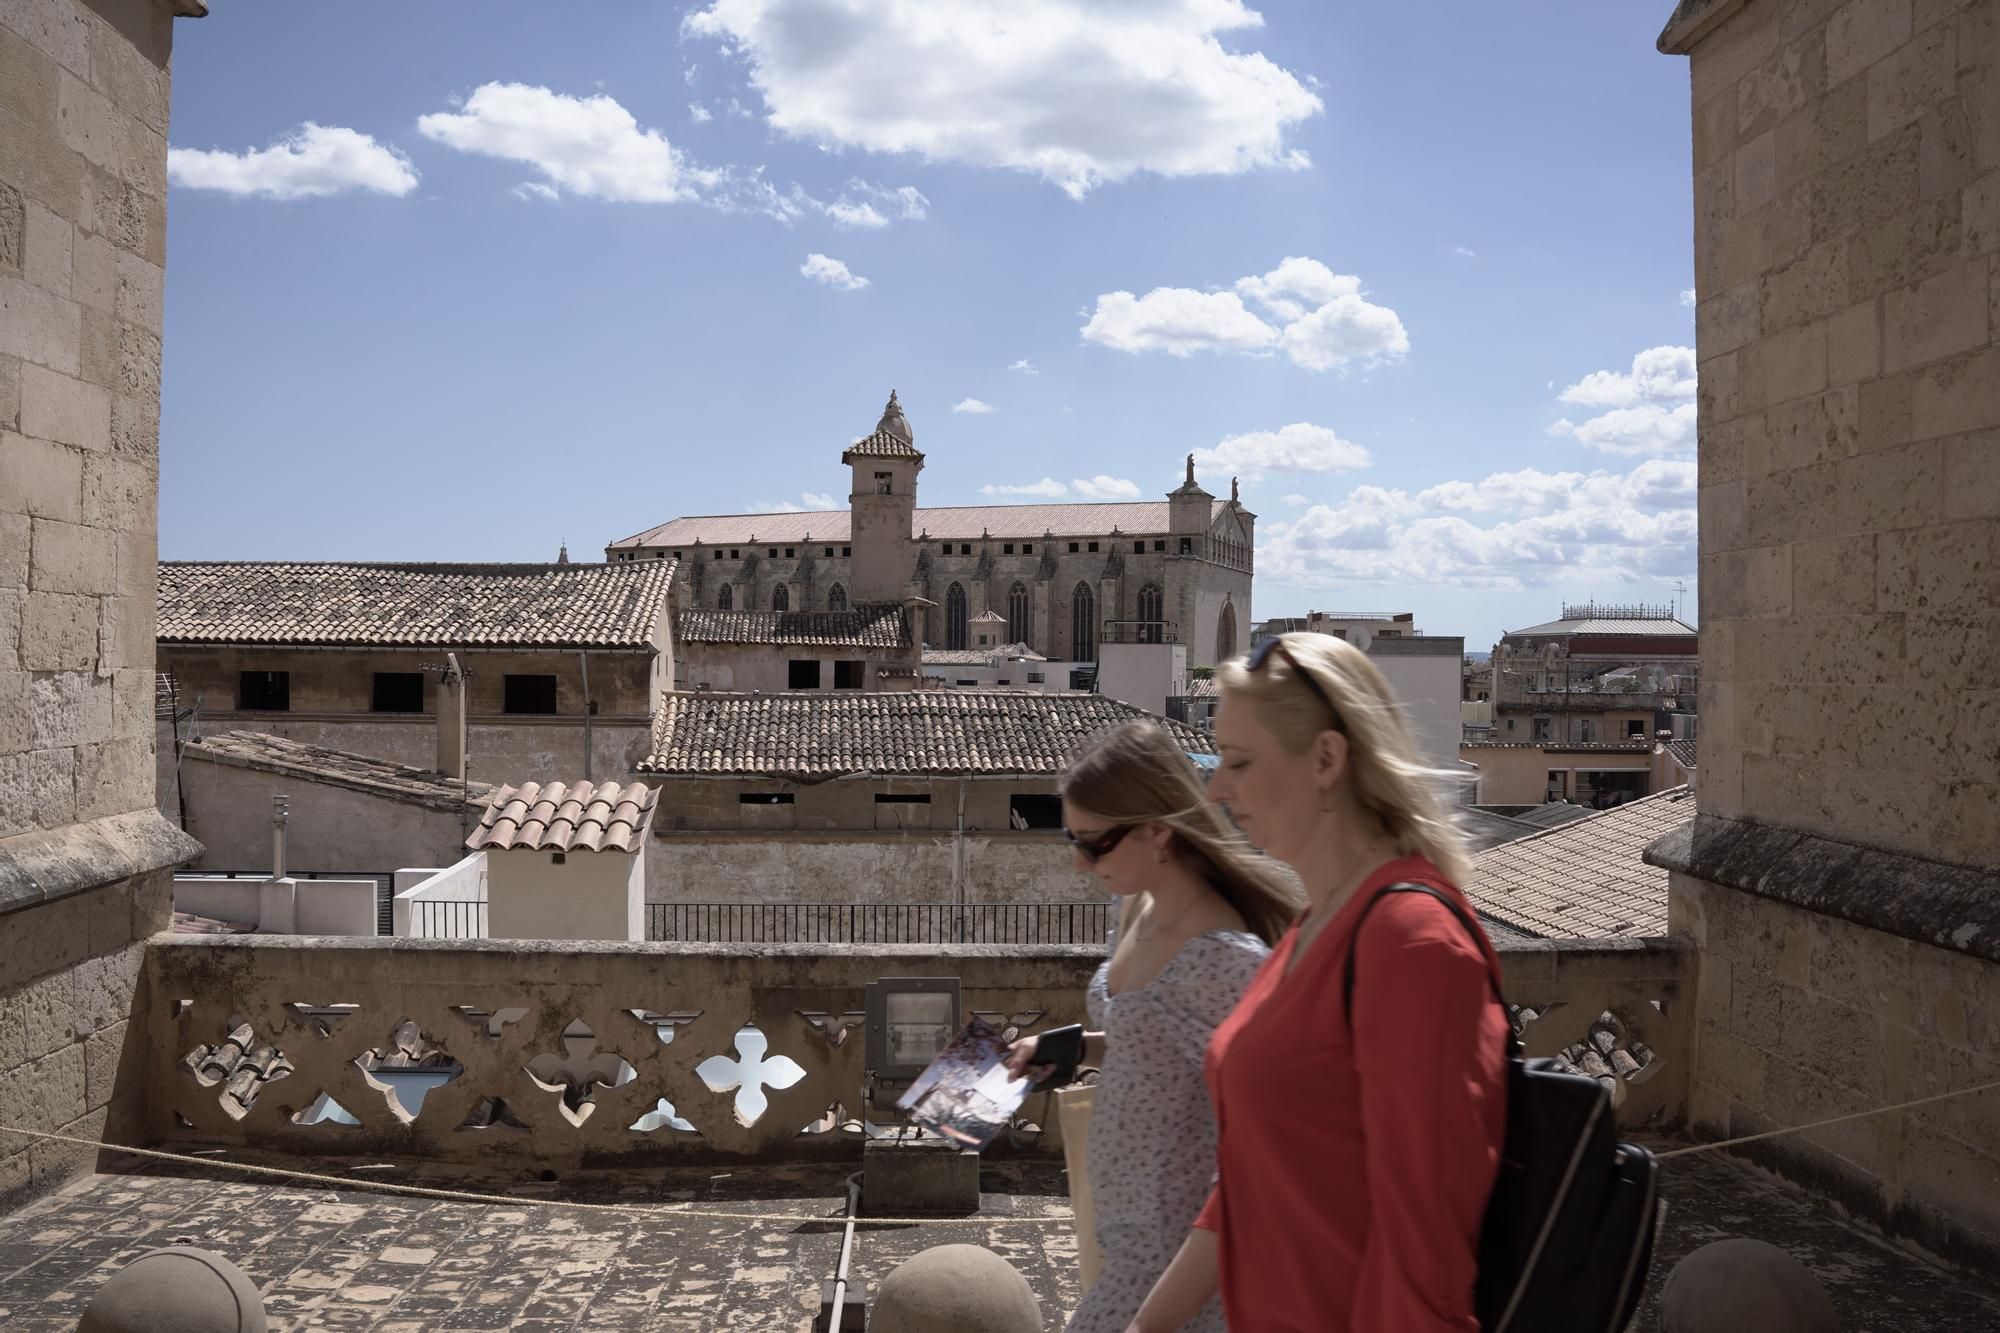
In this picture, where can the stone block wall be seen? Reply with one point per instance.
(1843, 877)
(1847, 260)
(83, 122)
(1801, 1016)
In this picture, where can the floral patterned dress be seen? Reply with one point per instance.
(1152, 1132)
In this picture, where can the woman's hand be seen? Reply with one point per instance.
(1021, 1060)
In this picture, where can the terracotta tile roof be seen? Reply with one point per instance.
(963, 523)
(403, 605)
(1554, 814)
(338, 768)
(818, 736)
(1001, 656)
(1585, 880)
(881, 444)
(1202, 687)
(1683, 753)
(567, 817)
(867, 625)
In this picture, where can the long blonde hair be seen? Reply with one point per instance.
(1388, 778)
(1136, 774)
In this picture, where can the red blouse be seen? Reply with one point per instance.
(1352, 1176)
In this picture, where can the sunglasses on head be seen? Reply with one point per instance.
(1100, 846)
(1263, 652)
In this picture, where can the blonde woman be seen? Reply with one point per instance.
(1357, 1148)
(1199, 911)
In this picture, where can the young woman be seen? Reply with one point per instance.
(1356, 1149)
(1199, 911)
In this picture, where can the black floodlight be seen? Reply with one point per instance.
(910, 1020)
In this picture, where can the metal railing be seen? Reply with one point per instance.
(447, 919)
(878, 923)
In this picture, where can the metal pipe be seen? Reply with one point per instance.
(846, 1252)
(280, 811)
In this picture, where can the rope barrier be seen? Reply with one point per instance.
(1822, 1124)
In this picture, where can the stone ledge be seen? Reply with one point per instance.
(1693, 20)
(37, 868)
(1946, 906)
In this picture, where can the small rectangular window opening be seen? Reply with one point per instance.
(804, 674)
(529, 694)
(264, 691)
(764, 798)
(398, 692)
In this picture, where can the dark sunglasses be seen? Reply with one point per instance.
(1100, 846)
(1262, 654)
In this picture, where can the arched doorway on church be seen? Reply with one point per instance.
(1019, 628)
(1225, 632)
(1083, 624)
(954, 617)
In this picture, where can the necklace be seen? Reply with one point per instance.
(1165, 926)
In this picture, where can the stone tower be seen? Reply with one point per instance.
(883, 501)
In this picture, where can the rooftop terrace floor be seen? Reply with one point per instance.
(352, 1259)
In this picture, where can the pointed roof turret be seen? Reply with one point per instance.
(891, 438)
(562, 556)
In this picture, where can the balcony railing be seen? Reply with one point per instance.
(878, 923)
(537, 1055)
(1139, 631)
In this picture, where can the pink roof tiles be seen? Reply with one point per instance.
(868, 625)
(812, 736)
(567, 817)
(1584, 880)
(403, 604)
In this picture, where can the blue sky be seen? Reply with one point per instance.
(457, 282)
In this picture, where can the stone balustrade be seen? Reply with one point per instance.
(540, 1054)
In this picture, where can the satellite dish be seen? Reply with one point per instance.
(1359, 636)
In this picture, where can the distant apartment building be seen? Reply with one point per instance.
(1425, 671)
(1598, 674)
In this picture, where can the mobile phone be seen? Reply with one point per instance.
(1063, 1048)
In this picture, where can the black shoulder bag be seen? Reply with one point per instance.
(1569, 1227)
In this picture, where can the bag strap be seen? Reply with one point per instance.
(1354, 940)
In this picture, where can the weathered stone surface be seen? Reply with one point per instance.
(58, 406)
(44, 1094)
(47, 867)
(58, 632)
(1937, 318)
(960, 1287)
(37, 326)
(72, 558)
(1861, 33)
(36, 1019)
(41, 478)
(45, 258)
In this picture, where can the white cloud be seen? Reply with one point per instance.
(1687, 297)
(1047, 488)
(813, 502)
(1319, 318)
(311, 161)
(1102, 487)
(1295, 500)
(832, 272)
(973, 407)
(1077, 92)
(1299, 447)
(1177, 321)
(866, 206)
(1022, 367)
(1463, 253)
(589, 146)
(1650, 410)
(594, 148)
(1507, 530)
(1658, 375)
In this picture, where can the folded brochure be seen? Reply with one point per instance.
(966, 1094)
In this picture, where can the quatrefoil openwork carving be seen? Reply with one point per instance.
(750, 1074)
(578, 1071)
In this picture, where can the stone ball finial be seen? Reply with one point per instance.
(179, 1289)
(955, 1289)
(1743, 1283)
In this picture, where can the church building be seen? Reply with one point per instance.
(1064, 577)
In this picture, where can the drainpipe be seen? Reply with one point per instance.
(589, 707)
(958, 866)
(280, 808)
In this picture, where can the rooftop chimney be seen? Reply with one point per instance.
(280, 810)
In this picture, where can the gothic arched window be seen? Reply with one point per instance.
(954, 617)
(725, 597)
(1225, 632)
(1151, 630)
(836, 599)
(781, 598)
(1017, 614)
(1083, 624)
